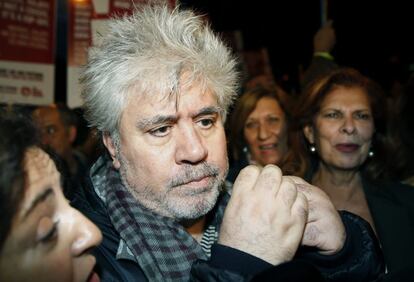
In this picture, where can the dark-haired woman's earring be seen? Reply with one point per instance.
(371, 153)
(245, 150)
(312, 148)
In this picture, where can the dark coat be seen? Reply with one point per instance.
(392, 209)
(359, 260)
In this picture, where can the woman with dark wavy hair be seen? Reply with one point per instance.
(340, 144)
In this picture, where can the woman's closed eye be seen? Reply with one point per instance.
(47, 230)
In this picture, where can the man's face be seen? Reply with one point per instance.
(53, 132)
(173, 152)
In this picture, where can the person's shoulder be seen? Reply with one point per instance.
(81, 160)
(402, 192)
(404, 188)
(409, 181)
(394, 188)
(397, 192)
(87, 201)
(110, 267)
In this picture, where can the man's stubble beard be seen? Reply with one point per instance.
(182, 205)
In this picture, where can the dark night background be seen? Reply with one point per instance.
(372, 36)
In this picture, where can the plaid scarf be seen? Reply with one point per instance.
(162, 247)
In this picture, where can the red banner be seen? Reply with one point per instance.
(27, 29)
(79, 31)
(27, 43)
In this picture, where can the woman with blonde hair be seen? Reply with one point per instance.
(258, 128)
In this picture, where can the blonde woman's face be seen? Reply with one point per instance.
(265, 132)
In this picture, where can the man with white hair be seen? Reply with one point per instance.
(158, 88)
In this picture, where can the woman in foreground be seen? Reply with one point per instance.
(41, 236)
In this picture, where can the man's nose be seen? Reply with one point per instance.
(190, 146)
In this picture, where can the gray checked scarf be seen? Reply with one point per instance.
(161, 246)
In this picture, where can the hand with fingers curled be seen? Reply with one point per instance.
(266, 215)
(324, 228)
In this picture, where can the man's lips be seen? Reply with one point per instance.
(347, 147)
(196, 181)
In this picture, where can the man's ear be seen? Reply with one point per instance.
(109, 144)
(308, 132)
(72, 133)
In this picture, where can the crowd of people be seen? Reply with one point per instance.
(205, 176)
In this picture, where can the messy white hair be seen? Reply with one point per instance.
(148, 52)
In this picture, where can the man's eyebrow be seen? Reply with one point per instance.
(158, 119)
(208, 111)
(39, 199)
